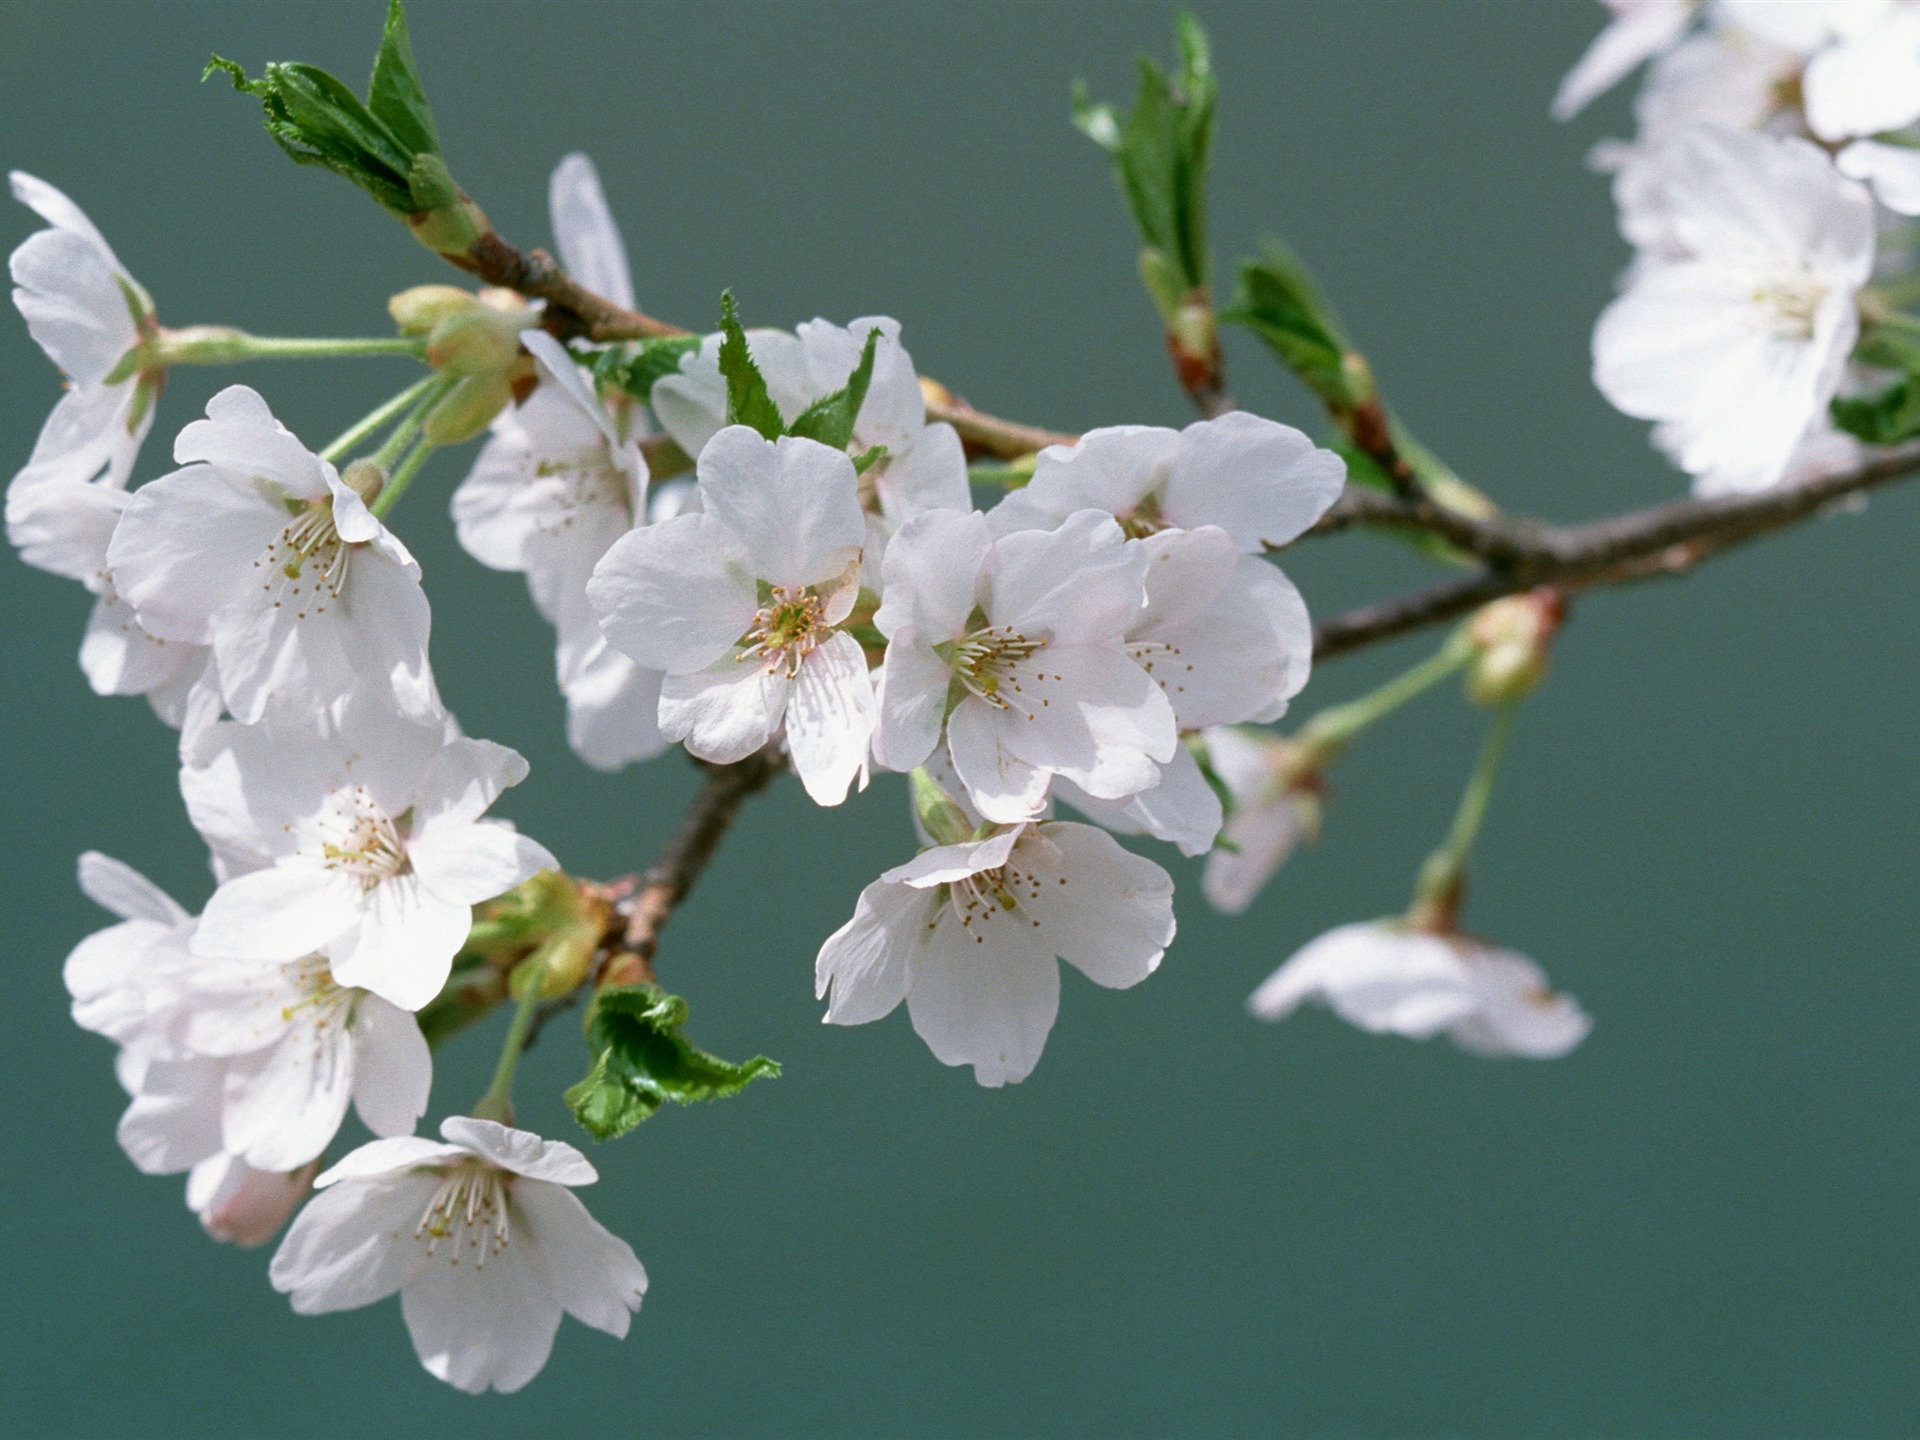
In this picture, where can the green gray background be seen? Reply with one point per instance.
(1702, 1223)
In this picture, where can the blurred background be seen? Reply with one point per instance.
(1702, 1223)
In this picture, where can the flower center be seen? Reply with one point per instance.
(1144, 519)
(1161, 659)
(993, 665)
(1790, 303)
(994, 897)
(469, 1210)
(304, 568)
(787, 628)
(313, 979)
(360, 838)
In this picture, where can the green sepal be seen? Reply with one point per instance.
(1160, 152)
(868, 458)
(830, 418)
(1887, 418)
(748, 402)
(641, 1060)
(1278, 301)
(944, 821)
(636, 367)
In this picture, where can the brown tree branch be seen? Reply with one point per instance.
(649, 901)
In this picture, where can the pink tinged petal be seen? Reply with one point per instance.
(985, 996)
(830, 716)
(68, 290)
(933, 571)
(1103, 909)
(943, 864)
(391, 1158)
(1262, 482)
(64, 527)
(1383, 980)
(520, 1151)
(284, 1104)
(281, 913)
(584, 231)
(613, 709)
(253, 1204)
(174, 1121)
(793, 504)
(929, 472)
(912, 701)
(1004, 788)
(393, 1069)
(727, 712)
(116, 886)
(1079, 584)
(1263, 834)
(483, 1328)
(187, 547)
(1111, 469)
(865, 962)
(471, 862)
(353, 1243)
(1518, 1014)
(591, 1271)
(675, 596)
(404, 947)
(89, 431)
(240, 435)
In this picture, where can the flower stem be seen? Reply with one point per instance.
(1437, 897)
(372, 424)
(497, 1103)
(223, 345)
(1332, 730)
(402, 476)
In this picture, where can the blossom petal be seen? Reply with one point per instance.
(591, 1271)
(675, 596)
(1103, 909)
(116, 886)
(865, 962)
(403, 950)
(281, 913)
(1003, 787)
(470, 862)
(830, 716)
(520, 1151)
(393, 1069)
(584, 231)
(284, 1104)
(934, 569)
(482, 1328)
(726, 712)
(1262, 482)
(353, 1244)
(986, 1004)
(186, 546)
(912, 701)
(794, 504)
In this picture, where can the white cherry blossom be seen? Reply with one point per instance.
(64, 527)
(290, 1048)
(258, 549)
(585, 232)
(967, 935)
(1270, 814)
(482, 1237)
(1640, 30)
(88, 314)
(1388, 979)
(1736, 340)
(556, 484)
(742, 604)
(1892, 170)
(1867, 81)
(364, 843)
(1262, 482)
(1018, 647)
(924, 467)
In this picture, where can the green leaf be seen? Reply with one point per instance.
(748, 402)
(869, 458)
(830, 418)
(636, 367)
(641, 1060)
(1887, 418)
(394, 94)
(1277, 300)
(1160, 152)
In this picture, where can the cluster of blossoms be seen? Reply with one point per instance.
(756, 545)
(1768, 195)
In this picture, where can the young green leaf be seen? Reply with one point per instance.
(1277, 300)
(1160, 152)
(317, 121)
(636, 367)
(1886, 418)
(830, 418)
(641, 1060)
(748, 402)
(394, 94)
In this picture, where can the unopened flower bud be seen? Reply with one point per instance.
(254, 1211)
(365, 478)
(944, 822)
(467, 409)
(418, 310)
(477, 340)
(1513, 638)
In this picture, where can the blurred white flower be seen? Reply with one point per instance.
(1640, 30)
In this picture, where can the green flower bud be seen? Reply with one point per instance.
(1512, 638)
(475, 340)
(418, 310)
(365, 478)
(468, 408)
